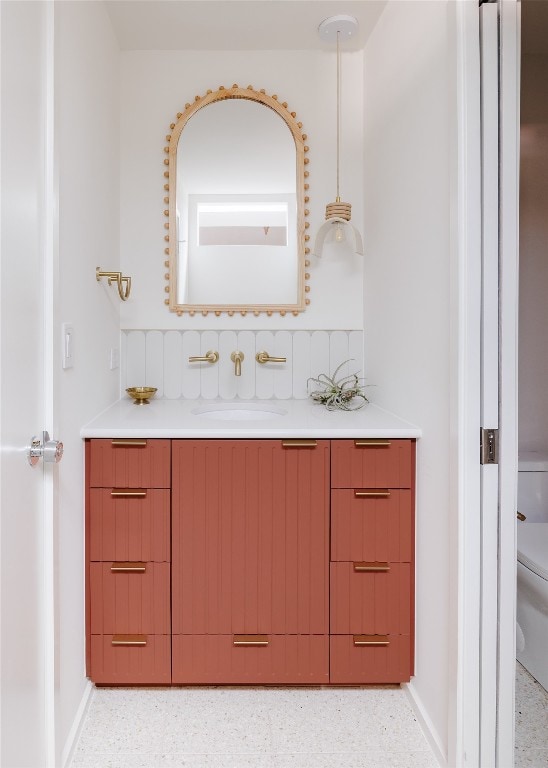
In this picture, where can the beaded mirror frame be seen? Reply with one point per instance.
(302, 197)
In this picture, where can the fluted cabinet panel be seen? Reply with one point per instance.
(130, 466)
(122, 665)
(355, 465)
(250, 537)
(130, 528)
(129, 603)
(352, 665)
(373, 529)
(213, 659)
(370, 603)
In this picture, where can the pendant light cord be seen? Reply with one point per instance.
(338, 110)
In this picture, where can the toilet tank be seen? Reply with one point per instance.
(533, 486)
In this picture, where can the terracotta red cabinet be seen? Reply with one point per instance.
(372, 561)
(250, 561)
(128, 551)
(250, 544)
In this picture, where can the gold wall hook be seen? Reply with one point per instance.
(123, 282)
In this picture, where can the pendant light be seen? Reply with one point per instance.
(338, 214)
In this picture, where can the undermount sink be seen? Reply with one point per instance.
(239, 411)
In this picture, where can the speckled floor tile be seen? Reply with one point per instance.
(531, 713)
(372, 759)
(531, 758)
(251, 728)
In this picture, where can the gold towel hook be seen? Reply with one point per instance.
(123, 290)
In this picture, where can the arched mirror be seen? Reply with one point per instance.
(237, 184)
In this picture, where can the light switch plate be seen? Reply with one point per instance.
(114, 359)
(67, 345)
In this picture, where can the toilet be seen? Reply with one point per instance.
(532, 566)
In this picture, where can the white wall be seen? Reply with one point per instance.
(409, 118)
(87, 131)
(155, 85)
(533, 273)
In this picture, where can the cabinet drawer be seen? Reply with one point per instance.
(356, 664)
(129, 527)
(130, 463)
(372, 463)
(147, 664)
(129, 602)
(371, 528)
(287, 659)
(368, 602)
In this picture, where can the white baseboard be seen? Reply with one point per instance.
(426, 723)
(74, 733)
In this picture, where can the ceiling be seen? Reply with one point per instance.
(234, 24)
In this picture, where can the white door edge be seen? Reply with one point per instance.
(464, 714)
(49, 302)
(489, 378)
(509, 248)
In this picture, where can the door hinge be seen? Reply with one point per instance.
(489, 446)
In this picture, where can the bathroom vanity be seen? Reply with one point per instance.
(276, 548)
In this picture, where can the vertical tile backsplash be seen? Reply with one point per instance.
(160, 359)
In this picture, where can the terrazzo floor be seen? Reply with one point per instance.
(251, 728)
(531, 721)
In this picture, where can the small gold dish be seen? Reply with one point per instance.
(141, 395)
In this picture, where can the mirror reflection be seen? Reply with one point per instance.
(235, 215)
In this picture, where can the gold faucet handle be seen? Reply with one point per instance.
(264, 357)
(209, 357)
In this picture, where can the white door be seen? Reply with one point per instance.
(500, 162)
(509, 20)
(26, 509)
(489, 414)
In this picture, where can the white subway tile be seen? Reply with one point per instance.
(319, 354)
(173, 364)
(338, 353)
(135, 372)
(228, 343)
(246, 382)
(301, 363)
(191, 371)
(209, 372)
(154, 361)
(264, 375)
(283, 375)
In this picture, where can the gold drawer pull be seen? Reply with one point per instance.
(361, 641)
(250, 641)
(372, 443)
(128, 568)
(134, 493)
(129, 442)
(137, 641)
(370, 493)
(371, 567)
(299, 443)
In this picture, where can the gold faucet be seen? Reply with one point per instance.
(237, 358)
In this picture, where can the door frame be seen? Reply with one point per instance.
(470, 723)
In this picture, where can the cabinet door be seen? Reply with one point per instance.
(250, 537)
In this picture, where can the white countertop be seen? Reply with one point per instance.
(300, 418)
